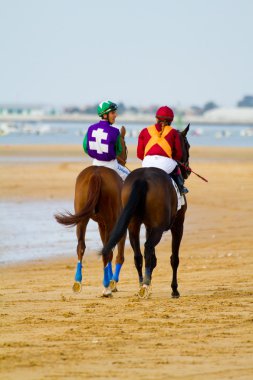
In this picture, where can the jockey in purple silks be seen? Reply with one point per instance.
(102, 141)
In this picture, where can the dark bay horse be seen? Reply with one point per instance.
(149, 197)
(97, 197)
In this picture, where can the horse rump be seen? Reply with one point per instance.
(133, 206)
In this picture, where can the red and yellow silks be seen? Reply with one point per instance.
(157, 137)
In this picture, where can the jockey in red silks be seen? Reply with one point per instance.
(159, 146)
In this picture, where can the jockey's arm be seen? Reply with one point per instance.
(141, 146)
(122, 156)
(85, 147)
(118, 146)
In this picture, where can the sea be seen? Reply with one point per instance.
(73, 133)
(29, 231)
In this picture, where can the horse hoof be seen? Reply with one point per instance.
(77, 287)
(113, 286)
(107, 292)
(144, 292)
(175, 294)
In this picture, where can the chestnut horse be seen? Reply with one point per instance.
(97, 197)
(149, 197)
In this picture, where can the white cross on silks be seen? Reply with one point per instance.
(97, 145)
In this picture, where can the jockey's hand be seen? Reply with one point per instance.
(122, 158)
(123, 131)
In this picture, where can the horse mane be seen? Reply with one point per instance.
(185, 149)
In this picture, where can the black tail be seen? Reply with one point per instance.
(72, 220)
(135, 203)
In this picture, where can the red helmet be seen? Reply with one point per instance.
(165, 113)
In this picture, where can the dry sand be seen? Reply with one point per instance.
(47, 332)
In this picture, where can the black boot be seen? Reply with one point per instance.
(178, 178)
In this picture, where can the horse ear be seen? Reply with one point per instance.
(185, 131)
(123, 131)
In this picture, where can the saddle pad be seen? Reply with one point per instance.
(180, 198)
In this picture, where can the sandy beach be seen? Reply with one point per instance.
(48, 332)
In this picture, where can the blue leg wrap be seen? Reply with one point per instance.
(110, 270)
(78, 276)
(106, 280)
(117, 272)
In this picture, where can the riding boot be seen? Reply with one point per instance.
(176, 175)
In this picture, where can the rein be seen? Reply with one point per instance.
(190, 170)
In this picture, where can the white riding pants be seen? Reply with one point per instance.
(121, 170)
(165, 163)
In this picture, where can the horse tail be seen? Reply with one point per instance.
(135, 203)
(93, 194)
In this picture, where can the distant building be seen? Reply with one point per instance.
(242, 115)
(26, 109)
(247, 101)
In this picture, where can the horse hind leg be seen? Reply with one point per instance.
(177, 234)
(153, 238)
(146, 289)
(107, 292)
(153, 256)
(108, 274)
(118, 264)
(134, 237)
(80, 233)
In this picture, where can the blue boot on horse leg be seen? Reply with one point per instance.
(107, 292)
(80, 230)
(115, 277)
(110, 279)
(110, 272)
(77, 287)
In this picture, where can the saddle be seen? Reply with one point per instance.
(178, 178)
(180, 196)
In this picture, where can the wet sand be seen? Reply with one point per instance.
(47, 332)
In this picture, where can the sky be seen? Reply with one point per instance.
(140, 52)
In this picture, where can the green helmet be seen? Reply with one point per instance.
(106, 107)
